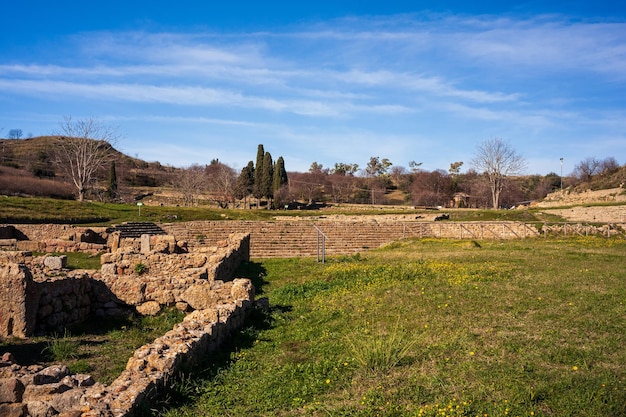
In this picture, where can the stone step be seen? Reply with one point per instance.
(136, 229)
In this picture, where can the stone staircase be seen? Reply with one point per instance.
(294, 238)
(136, 229)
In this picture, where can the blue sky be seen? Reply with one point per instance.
(326, 81)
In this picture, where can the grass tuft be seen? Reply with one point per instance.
(62, 348)
(382, 349)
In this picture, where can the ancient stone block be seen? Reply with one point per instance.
(55, 262)
(51, 374)
(12, 410)
(149, 308)
(242, 289)
(199, 296)
(11, 390)
(19, 299)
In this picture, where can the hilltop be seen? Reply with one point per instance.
(27, 168)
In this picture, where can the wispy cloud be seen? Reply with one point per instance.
(387, 81)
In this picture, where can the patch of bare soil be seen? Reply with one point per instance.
(582, 209)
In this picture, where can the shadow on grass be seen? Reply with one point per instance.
(186, 387)
(255, 272)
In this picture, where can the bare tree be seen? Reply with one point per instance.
(497, 160)
(222, 181)
(85, 145)
(191, 183)
(15, 133)
(587, 168)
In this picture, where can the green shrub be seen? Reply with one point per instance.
(62, 348)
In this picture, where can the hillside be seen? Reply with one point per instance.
(27, 168)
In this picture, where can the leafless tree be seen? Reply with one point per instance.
(191, 183)
(85, 145)
(431, 188)
(609, 166)
(309, 186)
(15, 133)
(497, 160)
(587, 168)
(221, 181)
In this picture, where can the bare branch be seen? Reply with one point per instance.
(85, 146)
(497, 160)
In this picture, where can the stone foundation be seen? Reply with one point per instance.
(38, 295)
(36, 391)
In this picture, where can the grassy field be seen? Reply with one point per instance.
(428, 328)
(48, 210)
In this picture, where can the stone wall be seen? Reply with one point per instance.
(36, 391)
(39, 296)
(149, 278)
(52, 238)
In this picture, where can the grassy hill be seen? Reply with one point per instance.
(27, 167)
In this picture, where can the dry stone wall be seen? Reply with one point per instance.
(35, 391)
(39, 295)
(52, 238)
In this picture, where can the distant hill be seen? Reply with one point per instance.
(27, 168)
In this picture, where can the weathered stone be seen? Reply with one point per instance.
(150, 308)
(13, 410)
(11, 390)
(199, 296)
(19, 300)
(242, 289)
(40, 409)
(51, 374)
(55, 262)
(182, 306)
(71, 413)
(8, 357)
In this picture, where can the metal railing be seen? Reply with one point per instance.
(321, 237)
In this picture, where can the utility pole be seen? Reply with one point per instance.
(561, 174)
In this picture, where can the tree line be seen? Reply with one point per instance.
(493, 179)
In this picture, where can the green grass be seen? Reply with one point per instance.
(77, 260)
(428, 328)
(99, 347)
(47, 210)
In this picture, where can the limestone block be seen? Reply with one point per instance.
(109, 269)
(40, 409)
(199, 296)
(129, 289)
(242, 289)
(182, 306)
(19, 299)
(12, 410)
(11, 390)
(51, 374)
(149, 308)
(202, 316)
(145, 244)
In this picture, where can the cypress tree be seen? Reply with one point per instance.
(245, 182)
(267, 176)
(258, 189)
(280, 174)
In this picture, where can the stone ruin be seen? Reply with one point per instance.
(39, 295)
